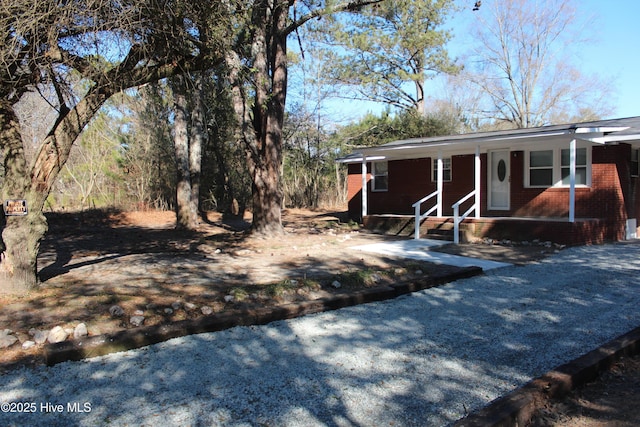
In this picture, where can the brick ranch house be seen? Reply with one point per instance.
(572, 184)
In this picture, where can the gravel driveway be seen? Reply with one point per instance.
(422, 359)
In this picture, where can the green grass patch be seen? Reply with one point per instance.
(280, 288)
(360, 278)
(310, 284)
(239, 294)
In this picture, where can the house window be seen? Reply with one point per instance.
(635, 162)
(446, 169)
(380, 176)
(541, 168)
(548, 168)
(581, 166)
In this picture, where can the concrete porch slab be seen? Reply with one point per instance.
(421, 250)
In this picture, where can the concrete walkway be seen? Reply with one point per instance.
(421, 250)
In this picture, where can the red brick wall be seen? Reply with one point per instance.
(354, 190)
(462, 182)
(605, 198)
(409, 181)
(613, 195)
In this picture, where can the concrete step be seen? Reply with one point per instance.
(430, 228)
(438, 234)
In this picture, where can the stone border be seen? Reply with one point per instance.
(518, 407)
(139, 337)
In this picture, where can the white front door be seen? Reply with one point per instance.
(499, 179)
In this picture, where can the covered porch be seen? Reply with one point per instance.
(519, 185)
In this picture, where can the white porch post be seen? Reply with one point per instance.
(364, 187)
(477, 181)
(572, 181)
(440, 176)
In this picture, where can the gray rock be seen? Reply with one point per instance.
(138, 313)
(206, 310)
(38, 336)
(116, 311)
(6, 339)
(229, 298)
(57, 334)
(189, 306)
(28, 344)
(136, 320)
(168, 310)
(176, 305)
(80, 331)
(336, 284)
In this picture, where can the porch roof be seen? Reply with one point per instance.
(594, 132)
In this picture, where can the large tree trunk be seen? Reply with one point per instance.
(265, 150)
(261, 131)
(186, 216)
(22, 234)
(267, 199)
(198, 135)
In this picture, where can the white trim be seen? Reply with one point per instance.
(364, 189)
(477, 168)
(435, 166)
(601, 129)
(374, 189)
(572, 179)
(611, 138)
(440, 186)
(556, 180)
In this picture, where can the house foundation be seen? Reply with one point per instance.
(583, 231)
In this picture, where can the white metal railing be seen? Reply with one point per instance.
(457, 218)
(418, 216)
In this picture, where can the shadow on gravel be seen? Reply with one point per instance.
(423, 359)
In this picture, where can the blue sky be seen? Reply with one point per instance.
(613, 54)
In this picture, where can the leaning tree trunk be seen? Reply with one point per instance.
(22, 234)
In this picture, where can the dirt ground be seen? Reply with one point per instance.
(610, 401)
(92, 261)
